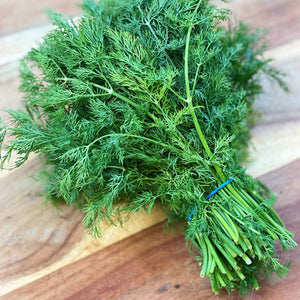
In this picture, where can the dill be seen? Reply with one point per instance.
(149, 102)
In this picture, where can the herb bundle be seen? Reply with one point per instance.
(148, 102)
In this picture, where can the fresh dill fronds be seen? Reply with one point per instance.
(151, 102)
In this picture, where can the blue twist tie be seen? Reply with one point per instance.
(211, 194)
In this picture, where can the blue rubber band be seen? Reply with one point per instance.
(211, 194)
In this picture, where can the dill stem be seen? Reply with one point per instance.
(195, 79)
(190, 102)
(212, 250)
(137, 137)
(228, 257)
(109, 91)
(202, 244)
(243, 198)
(176, 94)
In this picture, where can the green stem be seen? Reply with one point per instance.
(202, 244)
(112, 92)
(211, 248)
(190, 103)
(176, 94)
(195, 79)
(109, 91)
(137, 137)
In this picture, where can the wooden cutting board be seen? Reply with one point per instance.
(46, 254)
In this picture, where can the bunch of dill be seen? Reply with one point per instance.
(150, 101)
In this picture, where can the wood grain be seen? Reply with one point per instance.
(18, 15)
(155, 265)
(46, 254)
(37, 239)
(281, 18)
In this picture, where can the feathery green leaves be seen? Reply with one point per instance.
(146, 102)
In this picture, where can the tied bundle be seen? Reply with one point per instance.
(149, 102)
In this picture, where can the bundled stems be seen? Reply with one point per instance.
(229, 244)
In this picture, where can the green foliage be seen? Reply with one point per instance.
(150, 102)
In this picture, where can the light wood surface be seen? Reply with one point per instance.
(45, 253)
